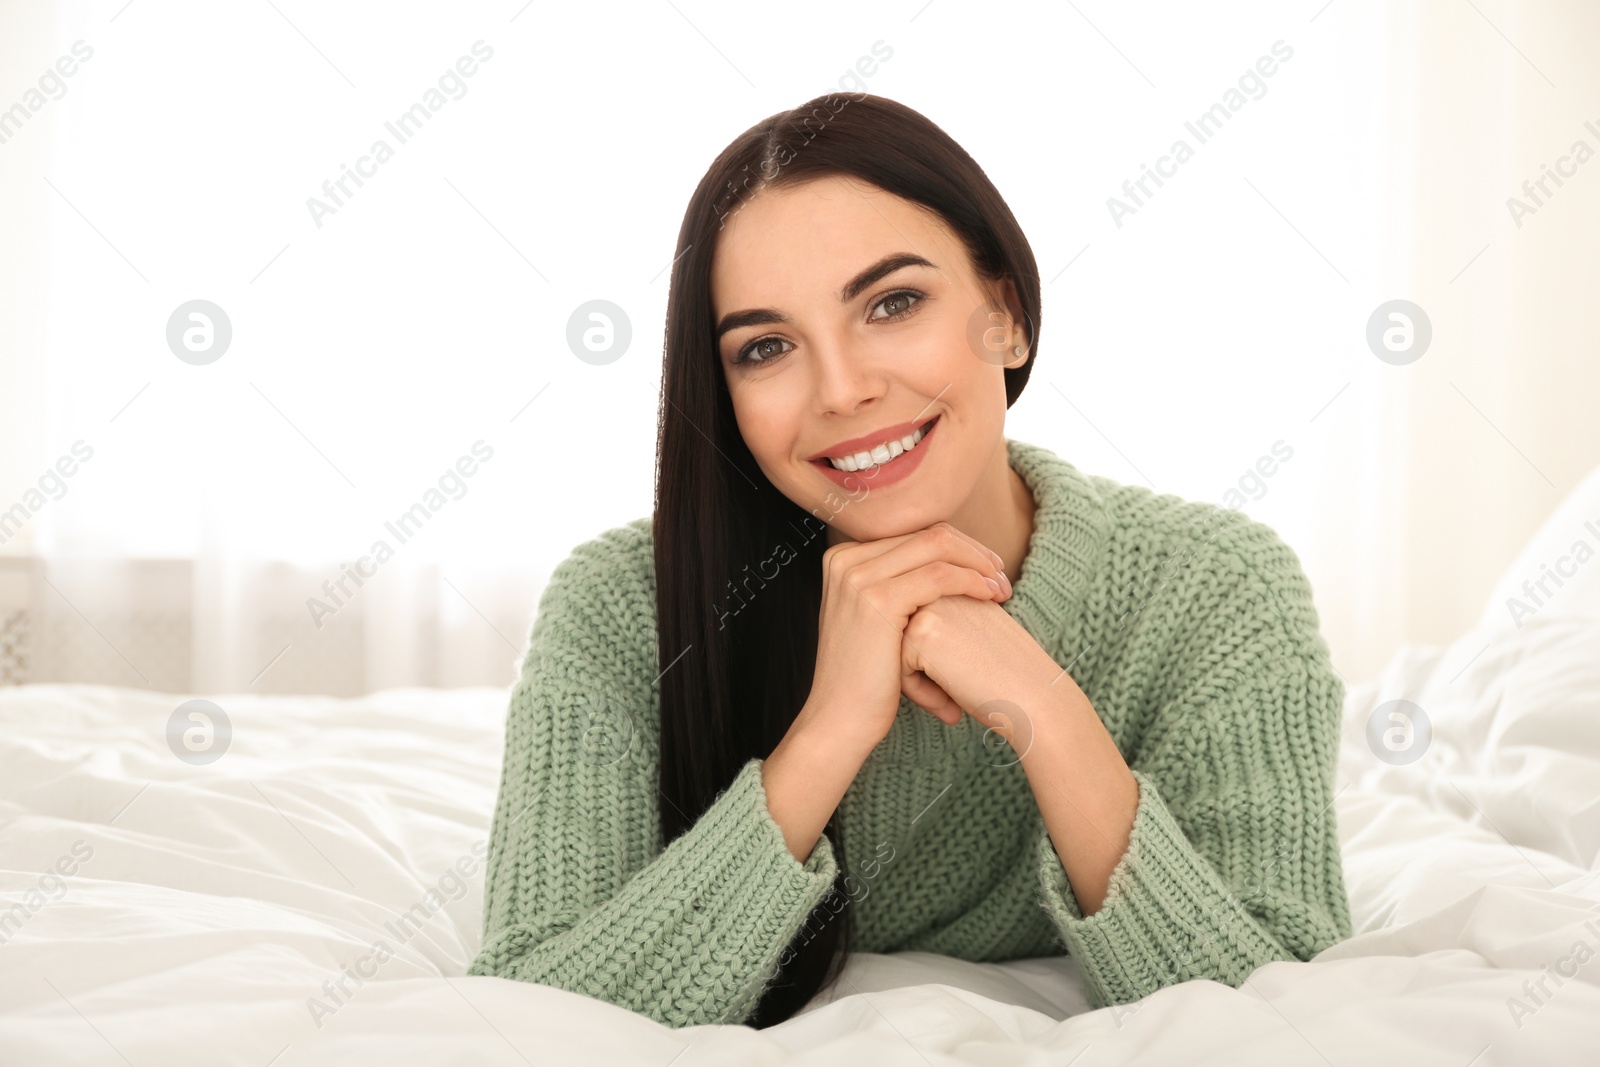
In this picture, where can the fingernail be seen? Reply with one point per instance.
(994, 586)
(1007, 581)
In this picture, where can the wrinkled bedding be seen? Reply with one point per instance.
(158, 908)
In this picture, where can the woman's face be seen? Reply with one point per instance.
(826, 352)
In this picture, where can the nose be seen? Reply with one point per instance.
(846, 377)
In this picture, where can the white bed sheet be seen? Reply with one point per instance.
(219, 898)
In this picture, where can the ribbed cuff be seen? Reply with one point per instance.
(693, 937)
(696, 935)
(1167, 916)
(742, 823)
(755, 896)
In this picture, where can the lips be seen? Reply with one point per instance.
(883, 477)
(871, 441)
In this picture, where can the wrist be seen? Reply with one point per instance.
(834, 733)
(805, 778)
(1050, 728)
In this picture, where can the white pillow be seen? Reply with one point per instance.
(1569, 541)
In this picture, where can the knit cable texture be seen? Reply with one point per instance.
(1192, 632)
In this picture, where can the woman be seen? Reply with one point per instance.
(874, 674)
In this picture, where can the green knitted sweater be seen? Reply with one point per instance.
(1191, 629)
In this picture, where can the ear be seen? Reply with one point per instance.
(1006, 294)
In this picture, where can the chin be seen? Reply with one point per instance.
(896, 524)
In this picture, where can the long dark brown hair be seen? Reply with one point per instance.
(738, 565)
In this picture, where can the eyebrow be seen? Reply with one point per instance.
(852, 289)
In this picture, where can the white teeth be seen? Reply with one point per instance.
(880, 454)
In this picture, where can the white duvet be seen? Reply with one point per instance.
(158, 912)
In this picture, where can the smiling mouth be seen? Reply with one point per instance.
(881, 455)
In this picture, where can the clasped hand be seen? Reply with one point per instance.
(960, 653)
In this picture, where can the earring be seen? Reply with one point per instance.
(1017, 351)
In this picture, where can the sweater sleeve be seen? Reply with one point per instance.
(579, 894)
(1233, 860)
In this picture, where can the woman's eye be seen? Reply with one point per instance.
(766, 348)
(897, 303)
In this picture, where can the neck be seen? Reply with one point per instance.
(999, 513)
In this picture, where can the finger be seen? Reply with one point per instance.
(929, 696)
(902, 596)
(939, 542)
(867, 550)
(984, 549)
(985, 552)
(918, 684)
